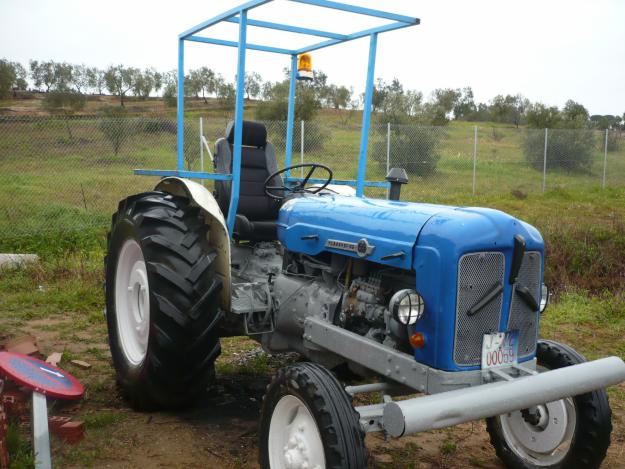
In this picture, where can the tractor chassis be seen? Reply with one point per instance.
(492, 392)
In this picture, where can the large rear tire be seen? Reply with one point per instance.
(308, 421)
(570, 433)
(162, 301)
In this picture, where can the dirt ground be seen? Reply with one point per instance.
(221, 431)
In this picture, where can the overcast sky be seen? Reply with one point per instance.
(550, 51)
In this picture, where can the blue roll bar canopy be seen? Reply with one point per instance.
(239, 15)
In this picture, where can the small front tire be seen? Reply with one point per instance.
(308, 421)
(570, 433)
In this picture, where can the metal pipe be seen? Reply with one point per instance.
(489, 400)
(238, 124)
(474, 155)
(41, 435)
(228, 14)
(223, 42)
(388, 153)
(180, 116)
(366, 118)
(290, 120)
(359, 10)
(366, 388)
(605, 158)
(201, 146)
(388, 147)
(289, 28)
(545, 160)
(301, 148)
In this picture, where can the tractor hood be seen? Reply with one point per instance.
(386, 231)
(359, 227)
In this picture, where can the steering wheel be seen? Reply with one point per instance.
(300, 187)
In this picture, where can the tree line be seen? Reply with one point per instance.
(392, 102)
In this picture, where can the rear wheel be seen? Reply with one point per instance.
(162, 301)
(569, 433)
(308, 422)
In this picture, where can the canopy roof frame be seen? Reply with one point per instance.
(239, 15)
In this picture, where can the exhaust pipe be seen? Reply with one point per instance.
(489, 400)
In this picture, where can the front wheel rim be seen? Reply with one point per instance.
(132, 302)
(294, 440)
(543, 435)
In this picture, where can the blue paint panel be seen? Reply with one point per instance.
(388, 225)
(434, 237)
(443, 240)
(342, 182)
(183, 174)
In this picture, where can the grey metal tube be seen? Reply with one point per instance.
(489, 400)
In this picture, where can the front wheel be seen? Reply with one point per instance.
(569, 433)
(308, 422)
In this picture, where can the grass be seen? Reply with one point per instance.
(61, 301)
(19, 448)
(56, 197)
(52, 181)
(101, 419)
(449, 447)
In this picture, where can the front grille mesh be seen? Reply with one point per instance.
(478, 274)
(521, 315)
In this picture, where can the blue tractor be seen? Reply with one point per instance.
(424, 299)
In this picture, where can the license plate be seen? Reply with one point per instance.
(500, 349)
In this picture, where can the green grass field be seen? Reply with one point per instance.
(58, 189)
(57, 174)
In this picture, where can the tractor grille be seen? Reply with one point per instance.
(478, 274)
(521, 315)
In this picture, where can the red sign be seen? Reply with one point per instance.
(40, 376)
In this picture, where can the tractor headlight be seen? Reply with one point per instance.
(407, 306)
(544, 297)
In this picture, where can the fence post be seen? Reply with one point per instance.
(201, 146)
(545, 161)
(388, 147)
(605, 158)
(301, 148)
(388, 152)
(474, 155)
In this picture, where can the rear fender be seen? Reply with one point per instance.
(217, 232)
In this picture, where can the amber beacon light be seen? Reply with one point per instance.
(304, 67)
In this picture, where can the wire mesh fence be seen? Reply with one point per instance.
(69, 173)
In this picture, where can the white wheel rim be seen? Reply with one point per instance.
(294, 438)
(132, 302)
(546, 441)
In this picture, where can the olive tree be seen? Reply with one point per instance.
(96, 79)
(120, 80)
(253, 84)
(145, 82)
(116, 127)
(570, 142)
(7, 78)
(414, 148)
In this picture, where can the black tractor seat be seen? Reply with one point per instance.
(256, 212)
